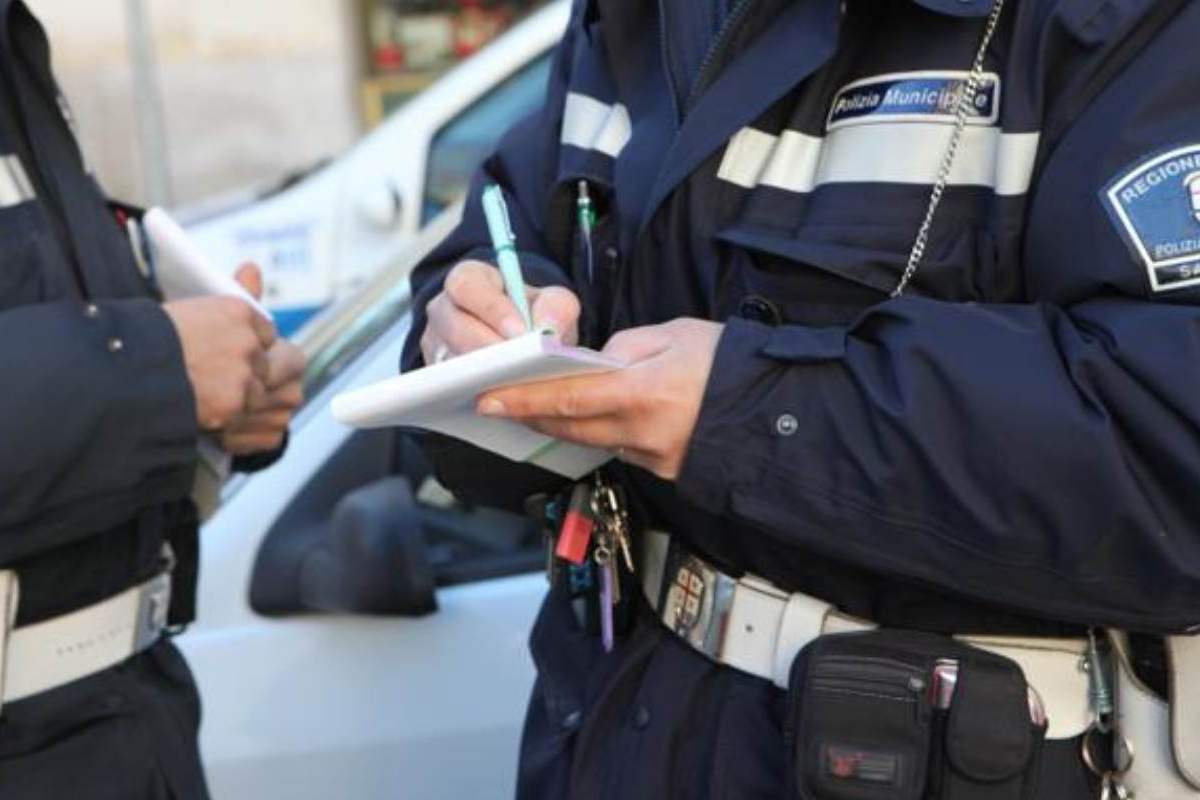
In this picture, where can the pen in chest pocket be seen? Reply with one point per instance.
(586, 216)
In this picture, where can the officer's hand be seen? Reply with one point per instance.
(644, 413)
(225, 342)
(270, 405)
(472, 311)
(272, 399)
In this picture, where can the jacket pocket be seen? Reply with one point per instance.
(851, 267)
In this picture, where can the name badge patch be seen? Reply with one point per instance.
(1156, 208)
(914, 97)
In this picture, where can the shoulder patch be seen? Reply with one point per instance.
(1156, 208)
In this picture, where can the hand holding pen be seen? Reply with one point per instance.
(474, 310)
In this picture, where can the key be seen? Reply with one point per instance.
(603, 558)
(622, 537)
(607, 506)
(578, 525)
(616, 577)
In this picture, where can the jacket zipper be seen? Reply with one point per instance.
(664, 56)
(708, 67)
(880, 672)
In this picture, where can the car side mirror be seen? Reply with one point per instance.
(372, 559)
(367, 555)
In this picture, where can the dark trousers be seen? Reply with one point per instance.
(127, 733)
(655, 719)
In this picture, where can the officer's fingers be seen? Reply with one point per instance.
(260, 366)
(264, 329)
(257, 397)
(452, 332)
(472, 271)
(566, 398)
(271, 420)
(606, 433)
(478, 290)
(250, 277)
(287, 397)
(559, 308)
(638, 344)
(286, 361)
(245, 444)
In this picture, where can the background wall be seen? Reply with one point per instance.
(251, 89)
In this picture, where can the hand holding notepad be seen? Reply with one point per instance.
(441, 397)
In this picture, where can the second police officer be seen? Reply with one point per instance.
(910, 294)
(103, 392)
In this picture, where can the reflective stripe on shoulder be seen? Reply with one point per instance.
(592, 125)
(900, 152)
(15, 187)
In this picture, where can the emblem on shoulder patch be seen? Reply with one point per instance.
(1156, 208)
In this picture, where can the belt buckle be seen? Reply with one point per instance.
(697, 601)
(153, 606)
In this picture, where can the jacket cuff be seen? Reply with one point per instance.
(256, 462)
(148, 380)
(755, 407)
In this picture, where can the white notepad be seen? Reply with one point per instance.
(442, 398)
(182, 269)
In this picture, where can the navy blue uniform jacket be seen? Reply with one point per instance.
(97, 439)
(1019, 434)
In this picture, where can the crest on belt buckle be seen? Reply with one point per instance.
(1156, 208)
(685, 598)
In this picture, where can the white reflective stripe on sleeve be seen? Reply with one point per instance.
(902, 152)
(592, 125)
(15, 187)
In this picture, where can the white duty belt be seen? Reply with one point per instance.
(751, 625)
(37, 658)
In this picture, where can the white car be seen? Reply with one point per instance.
(322, 235)
(324, 670)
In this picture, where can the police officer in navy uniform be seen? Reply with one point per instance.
(910, 297)
(104, 393)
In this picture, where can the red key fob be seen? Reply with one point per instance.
(577, 527)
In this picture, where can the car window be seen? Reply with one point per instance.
(464, 142)
(342, 332)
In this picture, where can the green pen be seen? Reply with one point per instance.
(587, 220)
(504, 243)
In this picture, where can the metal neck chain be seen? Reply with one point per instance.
(965, 101)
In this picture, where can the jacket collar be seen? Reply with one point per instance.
(797, 42)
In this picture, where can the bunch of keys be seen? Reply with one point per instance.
(596, 520)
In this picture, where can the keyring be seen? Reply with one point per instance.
(1126, 747)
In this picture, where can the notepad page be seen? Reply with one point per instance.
(442, 398)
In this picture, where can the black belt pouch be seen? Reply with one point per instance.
(863, 723)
